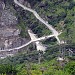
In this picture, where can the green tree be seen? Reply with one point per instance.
(70, 67)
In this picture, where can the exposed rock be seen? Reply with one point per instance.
(8, 18)
(2, 5)
(9, 32)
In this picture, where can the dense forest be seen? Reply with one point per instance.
(60, 14)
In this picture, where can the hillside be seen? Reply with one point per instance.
(58, 59)
(58, 13)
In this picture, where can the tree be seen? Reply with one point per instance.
(70, 67)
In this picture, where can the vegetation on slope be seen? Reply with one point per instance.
(51, 67)
(59, 13)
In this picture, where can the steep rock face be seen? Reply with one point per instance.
(7, 18)
(2, 5)
(9, 32)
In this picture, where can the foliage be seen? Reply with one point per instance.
(53, 11)
(7, 69)
(70, 67)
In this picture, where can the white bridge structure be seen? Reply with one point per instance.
(39, 45)
(34, 38)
